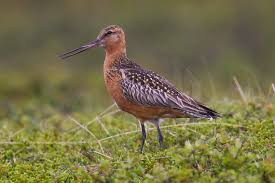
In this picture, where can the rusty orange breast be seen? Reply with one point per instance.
(111, 77)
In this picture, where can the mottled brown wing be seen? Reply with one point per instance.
(149, 89)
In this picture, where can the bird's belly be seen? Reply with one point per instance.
(140, 111)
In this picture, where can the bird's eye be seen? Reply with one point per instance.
(108, 33)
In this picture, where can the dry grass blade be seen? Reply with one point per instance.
(104, 155)
(102, 125)
(55, 143)
(88, 131)
(194, 131)
(107, 109)
(16, 133)
(171, 126)
(239, 88)
(101, 115)
(271, 91)
(92, 121)
(43, 143)
(120, 134)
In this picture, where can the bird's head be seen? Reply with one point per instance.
(112, 38)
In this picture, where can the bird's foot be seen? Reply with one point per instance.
(141, 150)
(162, 146)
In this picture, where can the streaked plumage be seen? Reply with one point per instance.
(140, 92)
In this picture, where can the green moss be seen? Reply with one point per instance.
(200, 153)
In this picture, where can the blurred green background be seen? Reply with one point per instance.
(198, 45)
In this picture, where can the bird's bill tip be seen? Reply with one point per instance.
(80, 49)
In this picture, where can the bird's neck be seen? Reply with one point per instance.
(114, 56)
(117, 48)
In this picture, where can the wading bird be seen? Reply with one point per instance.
(141, 92)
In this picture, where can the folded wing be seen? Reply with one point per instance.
(149, 89)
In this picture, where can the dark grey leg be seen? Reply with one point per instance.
(143, 137)
(160, 137)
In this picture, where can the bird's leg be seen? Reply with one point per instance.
(160, 137)
(143, 137)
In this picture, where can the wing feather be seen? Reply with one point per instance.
(149, 89)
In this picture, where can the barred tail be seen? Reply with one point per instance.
(201, 111)
(209, 113)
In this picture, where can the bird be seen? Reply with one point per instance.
(140, 92)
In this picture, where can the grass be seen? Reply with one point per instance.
(42, 139)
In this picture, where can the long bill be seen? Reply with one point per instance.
(92, 44)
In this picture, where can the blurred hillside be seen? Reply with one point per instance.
(196, 44)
